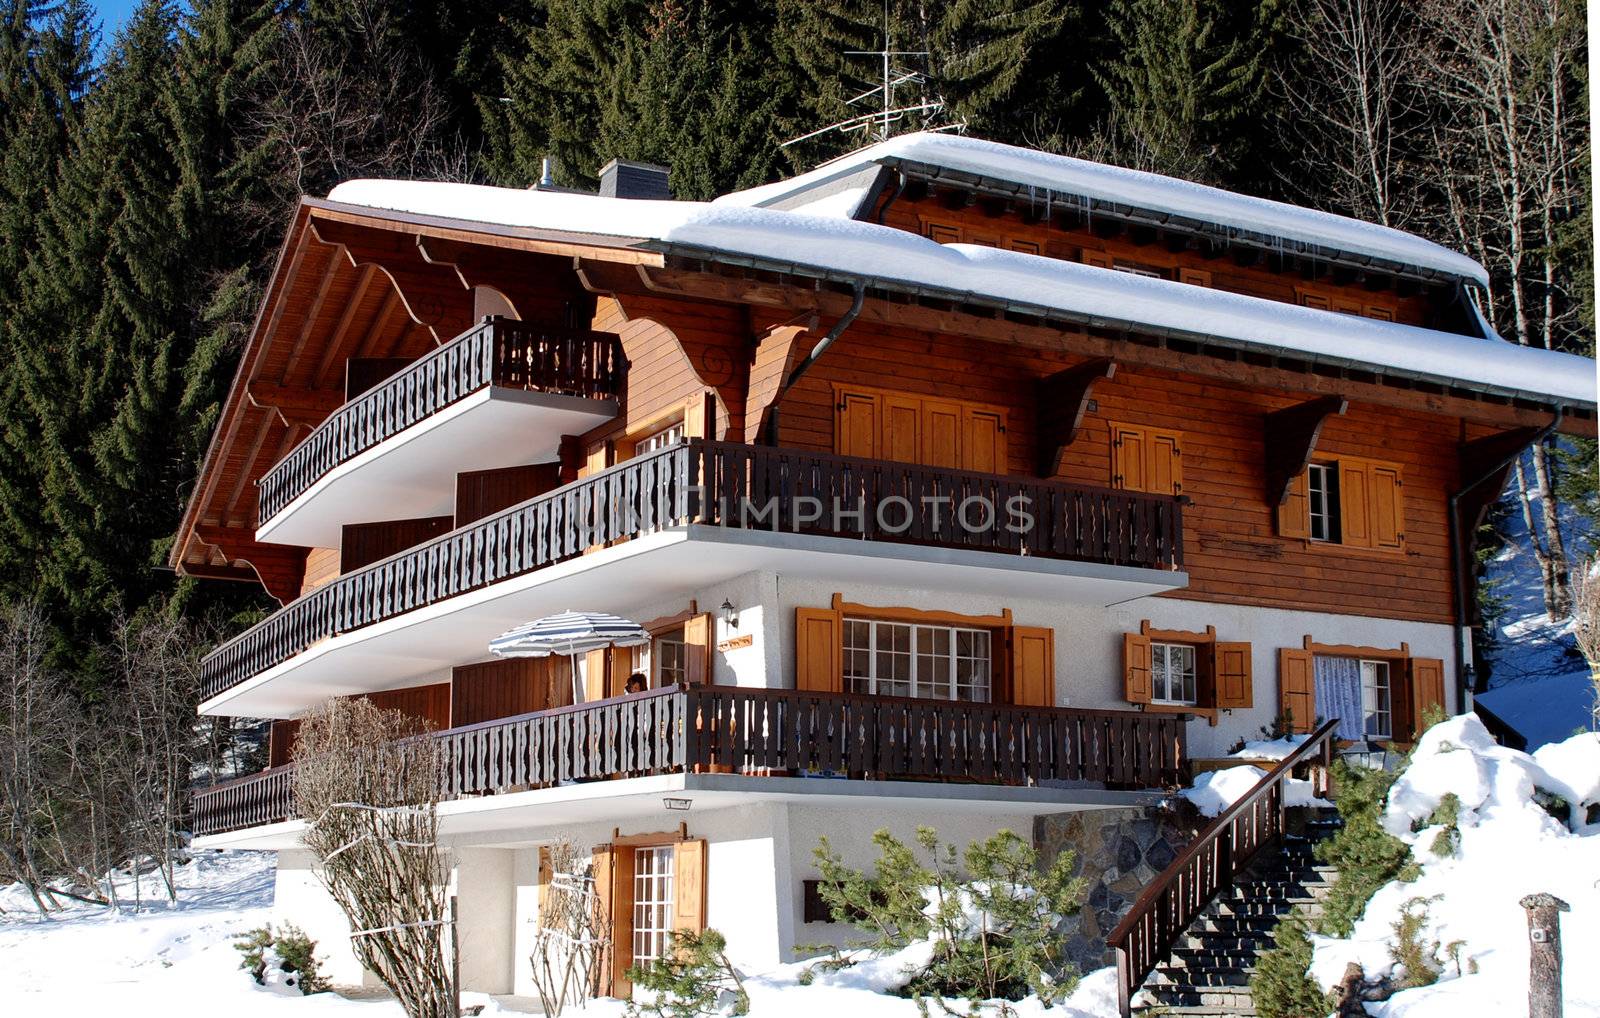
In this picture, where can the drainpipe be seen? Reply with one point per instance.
(899, 189)
(1464, 671)
(834, 333)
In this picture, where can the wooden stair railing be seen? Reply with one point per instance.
(1209, 866)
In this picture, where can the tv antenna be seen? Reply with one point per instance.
(879, 125)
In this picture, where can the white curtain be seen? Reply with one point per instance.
(1338, 691)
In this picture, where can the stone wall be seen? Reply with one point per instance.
(1118, 851)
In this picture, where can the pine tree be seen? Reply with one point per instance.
(1183, 81)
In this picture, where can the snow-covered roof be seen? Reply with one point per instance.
(845, 248)
(1058, 178)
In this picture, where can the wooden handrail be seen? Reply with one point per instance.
(1207, 867)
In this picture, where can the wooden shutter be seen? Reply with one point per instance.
(983, 441)
(941, 434)
(1231, 666)
(1099, 259)
(1381, 314)
(594, 675)
(1128, 457)
(1425, 682)
(857, 431)
(697, 649)
(818, 650)
(1294, 512)
(604, 862)
(1135, 668)
(1311, 300)
(1164, 463)
(689, 886)
(620, 662)
(1024, 246)
(699, 416)
(1194, 277)
(546, 872)
(1387, 512)
(901, 439)
(1355, 503)
(622, 861)
(597, 458)
(1033, 666)
(1297, 694)
(941, 233)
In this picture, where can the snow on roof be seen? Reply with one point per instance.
(1057, 176)
(889, 257)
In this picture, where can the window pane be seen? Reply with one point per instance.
(652, 903)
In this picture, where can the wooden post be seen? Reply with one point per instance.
(1544, 954)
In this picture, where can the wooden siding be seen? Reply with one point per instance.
(503, 689)
(365, 543)
(976, 225)
(428, 704)
(1232, 550)
(322, 566)
(480, 493)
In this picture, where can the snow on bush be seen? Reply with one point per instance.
(1508, 845)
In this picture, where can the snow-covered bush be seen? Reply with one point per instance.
(1280, 987)
(693, 980)
(1366, 854)
(284, 957)
(989, 918)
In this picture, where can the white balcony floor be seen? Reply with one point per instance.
(413, 473)
(420, 646)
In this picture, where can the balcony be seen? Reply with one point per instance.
(695, 512)
(717, 731)
(394, 451)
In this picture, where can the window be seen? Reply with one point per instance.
(1353, 502)
(1323, 496)
(660, 439)
(1345, 306)
(1376, 710)
(668, 659)
(907, 428)
(1172, 673)
(1137, 270)
(905, 659)
(652, 903)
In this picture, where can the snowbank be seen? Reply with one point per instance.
(866, 250)
(1215, 791)
(1060, 178)
(1274, 749)
(1509, 847)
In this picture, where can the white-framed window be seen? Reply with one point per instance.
(1320, 494)
(906, 659)
(1137, 270)
(652, 903)
(1376, 706)
(659, 439)
(668, 659)
(1172, 673)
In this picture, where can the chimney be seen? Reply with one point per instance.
(623, 178)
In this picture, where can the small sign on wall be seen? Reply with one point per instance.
(737, 642)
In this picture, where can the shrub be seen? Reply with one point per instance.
(1419, 960)
(1366, 855)
(1447, 816)
(694, 979)
(1280, 986)
(288, 951)
(996, 932)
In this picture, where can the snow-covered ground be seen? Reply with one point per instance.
(162, 961)
(1509, 847)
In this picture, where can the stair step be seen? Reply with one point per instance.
(1200, 997)
(1198, 979)
(1197, 1012)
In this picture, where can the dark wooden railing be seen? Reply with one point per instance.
(768, 732)
(500, 351)
(1209, 866)
(811, 492)
(730, 485)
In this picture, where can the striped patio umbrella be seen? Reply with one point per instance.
(570, 634)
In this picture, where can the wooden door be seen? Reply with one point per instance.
(902, 429)
(984, 441)
(858, 424)
(941, 434)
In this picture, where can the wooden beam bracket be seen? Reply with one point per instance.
(1063, 400)
(1291, 438)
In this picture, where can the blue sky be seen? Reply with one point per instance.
(113, 13)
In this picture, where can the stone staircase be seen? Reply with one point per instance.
(1211, 964)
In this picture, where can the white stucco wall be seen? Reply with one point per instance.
(299, 898)
(1088, 641)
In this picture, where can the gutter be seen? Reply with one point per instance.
(856, 303)
(1465, 673)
